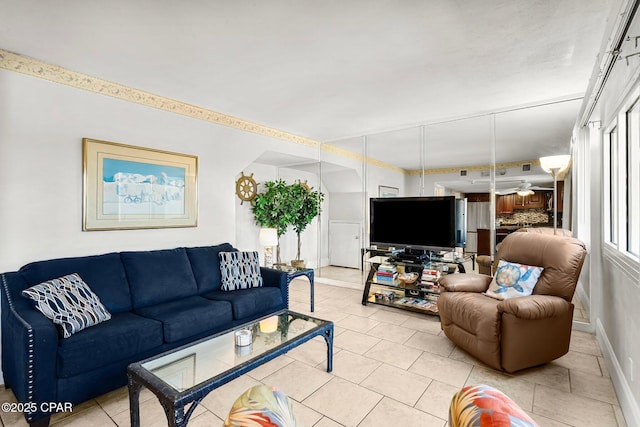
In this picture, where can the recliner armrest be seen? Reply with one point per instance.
(465, 282)
(534, 307)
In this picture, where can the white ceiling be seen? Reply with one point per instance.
(333, 70)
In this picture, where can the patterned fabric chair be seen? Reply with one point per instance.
(261, 406)
(485, 406)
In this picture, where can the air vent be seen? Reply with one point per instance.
(463, 172)
(526, 167)
(484, 173)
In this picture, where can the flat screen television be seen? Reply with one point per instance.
(422, 223)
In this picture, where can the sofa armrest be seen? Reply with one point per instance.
(465, 282)
(278, 279)
(535, 307)
(30, 344)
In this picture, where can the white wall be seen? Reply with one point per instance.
(614, 289)
(41, 129)
(360, 178)
(41, 169)
(346, 207)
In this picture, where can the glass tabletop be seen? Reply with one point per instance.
(289, 269)
(193, 364)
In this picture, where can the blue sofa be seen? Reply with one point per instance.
(158, 300)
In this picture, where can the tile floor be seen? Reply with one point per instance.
(391, 368)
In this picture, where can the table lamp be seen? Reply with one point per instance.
(268, 238)
(554, 165)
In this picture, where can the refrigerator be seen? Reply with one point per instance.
(478, 217)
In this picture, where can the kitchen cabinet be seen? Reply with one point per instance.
(477, 197)
(537, 200)
(484, 241)
(505, 204)
(560, 188)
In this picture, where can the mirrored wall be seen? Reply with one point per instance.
(492, 160)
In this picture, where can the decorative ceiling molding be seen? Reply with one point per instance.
(32, 67)
(343, 152)
(35, 68)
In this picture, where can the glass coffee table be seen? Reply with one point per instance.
(187, 374)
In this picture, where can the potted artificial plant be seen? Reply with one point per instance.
(308, 207)
(275, 209)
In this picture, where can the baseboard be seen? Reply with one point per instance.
(583, 297)
(628, 404)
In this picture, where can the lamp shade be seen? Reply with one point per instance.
(268, 236)
(556, 164)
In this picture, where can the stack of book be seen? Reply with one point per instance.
(386, 273)
(429, 275)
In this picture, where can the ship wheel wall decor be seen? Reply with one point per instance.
(246, 188)
(304, 184)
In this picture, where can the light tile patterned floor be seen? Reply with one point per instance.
(391, 368)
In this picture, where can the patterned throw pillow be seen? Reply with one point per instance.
(260, 406)
(69, 303)
(240, 270)
(482, 405)
(513, 280)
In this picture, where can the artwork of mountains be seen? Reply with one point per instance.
(137, 188)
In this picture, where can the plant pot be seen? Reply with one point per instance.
(297, 263)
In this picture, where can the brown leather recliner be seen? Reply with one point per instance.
(485, 262)
(521, 332)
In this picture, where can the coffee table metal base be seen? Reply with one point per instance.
(175, 403)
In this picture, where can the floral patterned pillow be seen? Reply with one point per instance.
(513, 280)
(482, 405)
(261, 406)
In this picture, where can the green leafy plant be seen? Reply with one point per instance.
(308, 204)
(276, 208)
(283, 205)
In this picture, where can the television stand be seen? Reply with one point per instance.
(384, 287)
(412, 257)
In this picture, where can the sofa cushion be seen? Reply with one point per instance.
(103, 273)
(159, 276)
(205, 263)
(123, 337)
(240, 270)
(188, 316)
(513, 280)
(69, 303)
(249, 302)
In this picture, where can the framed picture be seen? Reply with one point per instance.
(180, 374)
(384, 191)
(128, 187)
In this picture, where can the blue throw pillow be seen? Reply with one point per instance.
(69, 303)
(513, 280)
(240, 270)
